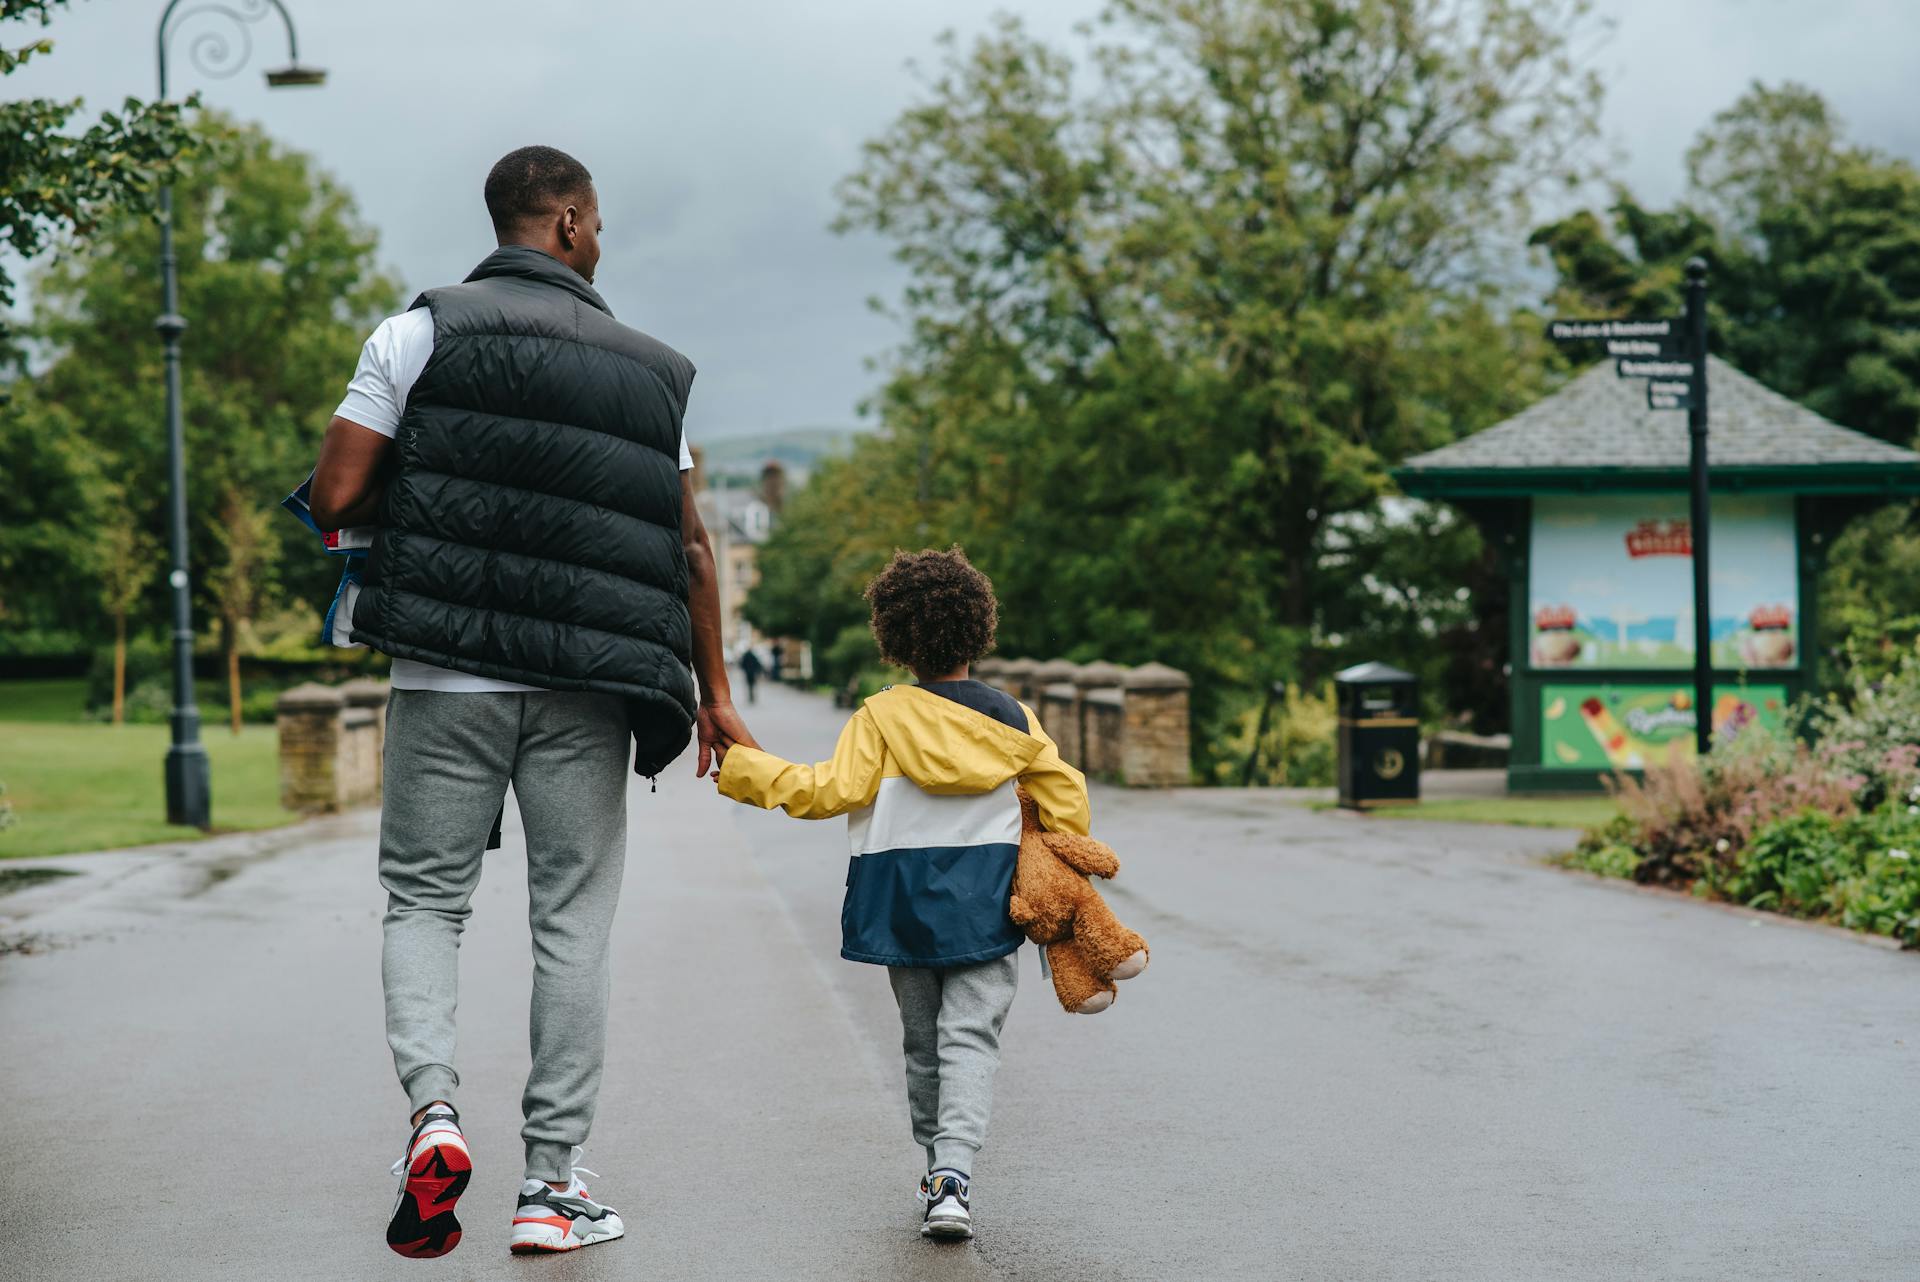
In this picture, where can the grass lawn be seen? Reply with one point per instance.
(64, 699)
(1525, 812)
(49, 699)
(80, 786)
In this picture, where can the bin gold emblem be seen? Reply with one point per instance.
(1388, 763)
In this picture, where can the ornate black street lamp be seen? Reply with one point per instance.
(216, 53)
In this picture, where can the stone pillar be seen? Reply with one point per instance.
(989, 670)
(1099, 752)
(308, 718)
(371, 694)
(1155, 747)
(1059, 705)
(1016, 678)
(358, 772)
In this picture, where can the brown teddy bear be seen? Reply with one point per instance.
(1056, 905)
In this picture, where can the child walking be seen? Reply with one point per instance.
(925, 775)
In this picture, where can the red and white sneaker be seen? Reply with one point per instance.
(546, 1220)
(433, 1174)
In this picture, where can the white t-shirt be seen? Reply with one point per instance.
(376, 398)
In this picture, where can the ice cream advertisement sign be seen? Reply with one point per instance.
(1611, 582)
(1631, 727)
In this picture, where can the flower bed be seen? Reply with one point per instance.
(1821, 822)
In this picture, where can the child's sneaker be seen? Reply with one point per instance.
(945, 1193)
(547, 1220)
(433, 1174)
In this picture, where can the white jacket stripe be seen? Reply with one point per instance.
(903, 816)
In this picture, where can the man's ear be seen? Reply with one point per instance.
(570, 225)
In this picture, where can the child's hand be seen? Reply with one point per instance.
(717, 726)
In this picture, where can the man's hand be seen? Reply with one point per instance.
(719, 727)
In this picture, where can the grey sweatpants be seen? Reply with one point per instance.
(950, 1024)
(449, 758)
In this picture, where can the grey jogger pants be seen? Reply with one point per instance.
(950, 1023)
(449, 758)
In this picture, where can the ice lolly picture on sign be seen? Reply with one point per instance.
(1629, 727)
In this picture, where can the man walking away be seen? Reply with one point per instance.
(751, 668)
(542, 579)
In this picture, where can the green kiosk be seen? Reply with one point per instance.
(1585, 496)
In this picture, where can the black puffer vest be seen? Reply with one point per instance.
(532, 530)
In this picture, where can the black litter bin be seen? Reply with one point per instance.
(1379, 735)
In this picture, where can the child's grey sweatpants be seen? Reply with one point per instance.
(950, 1023)
(449, 758)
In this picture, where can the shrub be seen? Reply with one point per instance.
(260, 704)
(1607, 850)
(150, 702)
(149, 659)
(1688, 817)
(1287, 741)
(1858, 870)
(1789, 866)
(851, 655)
(1827, 833)
(1873, 732)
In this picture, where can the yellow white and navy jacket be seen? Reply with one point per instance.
(927, 785)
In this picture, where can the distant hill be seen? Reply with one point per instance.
(799, 448)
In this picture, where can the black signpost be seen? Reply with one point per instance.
(1697, 464)
(1671, 354)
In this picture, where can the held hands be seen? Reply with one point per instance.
(719, 727)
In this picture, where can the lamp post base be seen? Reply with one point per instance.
(189, 786)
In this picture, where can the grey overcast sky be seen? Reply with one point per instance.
(717, 129)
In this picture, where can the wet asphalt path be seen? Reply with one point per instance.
(1365, 1049)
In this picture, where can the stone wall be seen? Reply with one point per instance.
(1124, 725)
(1155, 744)
(332, 745)
(1059, 710)
(1104, 717)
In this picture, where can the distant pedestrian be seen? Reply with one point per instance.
(541, 576)
(779, 654)
(751, 668)
(925, 774)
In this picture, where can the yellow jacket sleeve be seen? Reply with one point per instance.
(1057, 788)
(847, 781)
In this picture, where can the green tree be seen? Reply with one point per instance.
(1814, 245)
(49, 488)
(1172, 314)
(125, 561)
(280, 285)
(54, 180)
(242, 580)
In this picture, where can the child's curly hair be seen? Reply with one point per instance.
(932, 611)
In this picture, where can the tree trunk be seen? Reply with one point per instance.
(119, 669)
(233, 676)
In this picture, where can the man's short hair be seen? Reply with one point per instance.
(932, 611)
(533, 183)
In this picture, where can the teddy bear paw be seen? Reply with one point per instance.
(1131, 966)
(1094, 1004)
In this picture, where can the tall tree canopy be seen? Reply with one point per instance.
(280, 285)
(1814, 245)
(54, 180)
(1173, 311)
